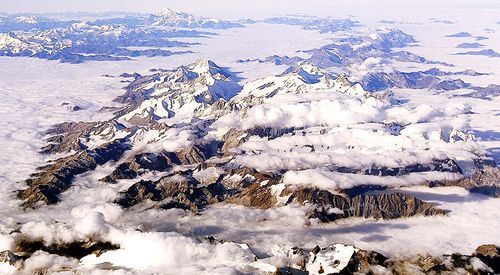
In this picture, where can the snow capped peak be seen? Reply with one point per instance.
(81, 25)
(183, 74)
(309, 68)
(298, 80)
(11, 42)
(7, 39)
(205, 63)
(391, 38)
(172, 14)
(306, 67)
(172, 18)
(307, 73)
(202, 66)
(167, 12)
(9, 35)
(181, 92)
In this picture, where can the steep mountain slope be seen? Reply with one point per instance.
(192, 171)
(298, 137)
(178, 93)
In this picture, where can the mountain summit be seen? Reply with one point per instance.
(179, 92)
(171, 18)
(170, 13)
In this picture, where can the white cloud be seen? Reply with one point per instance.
(334, 181)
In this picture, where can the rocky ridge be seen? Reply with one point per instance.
(167, 125)
(332, 259)
(345, 259)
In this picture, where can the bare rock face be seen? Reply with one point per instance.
(65, 137)
(72, 136)
(191, 155)
(444, 165)
(179, 190)
(488, 250)
(182, 190)
(24, 249)
(363, 260)
(490, 255)
(135, 165)
(484, 181)
(232, 139)
(236, 185)
(330, 207)
(75, 249)
(45, 186)
(251, 188)
(447, 264)
(235, 137)
(130, 168)
(332, 259)
(391, 206)
(298, 257)
(254, 196)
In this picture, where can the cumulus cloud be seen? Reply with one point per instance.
(7, 242)
(156, 251)
(334, 181)
(369, 65)
(49, 263)
(305, 114)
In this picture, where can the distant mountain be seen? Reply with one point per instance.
(466, 34)
(85, 41)
(470, 45)
(487, 92)
(9, 23)
(485, 52)
(379, 81)
(381, 44)
(104, 39)
(171, 18)
(430, 79)
(323, 25)
(460, 34)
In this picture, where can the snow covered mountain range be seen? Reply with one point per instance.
(125, 38)
(172, 18)
(192, 137)
(101, 40)
(344, 156)
(82, 42)
(303, 126)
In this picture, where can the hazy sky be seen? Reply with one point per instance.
(234, 8)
